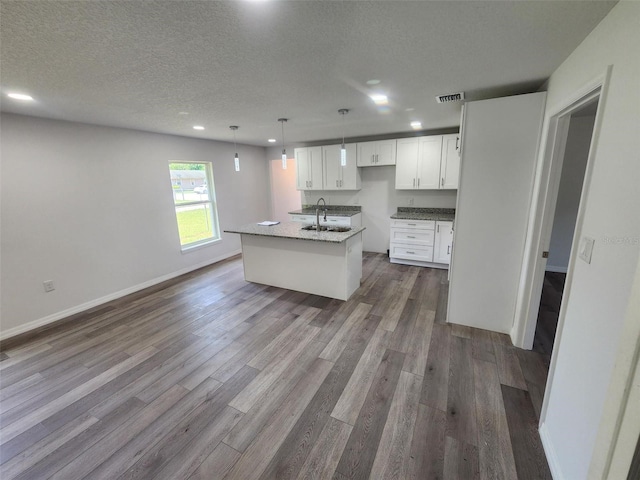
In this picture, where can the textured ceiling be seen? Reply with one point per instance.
(139, 64)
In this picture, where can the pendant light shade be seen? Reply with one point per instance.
(343, 148)
(284, 151)
(236, 159)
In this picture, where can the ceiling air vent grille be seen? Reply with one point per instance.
(451, 97)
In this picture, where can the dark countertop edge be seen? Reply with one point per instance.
(331, 213)
(443, 217)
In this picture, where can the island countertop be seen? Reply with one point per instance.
(293, 230)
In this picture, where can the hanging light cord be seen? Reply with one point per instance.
(282, 125)
(234, 140)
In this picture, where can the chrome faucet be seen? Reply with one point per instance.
(318, 213)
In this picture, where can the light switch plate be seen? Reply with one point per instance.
(586, 248)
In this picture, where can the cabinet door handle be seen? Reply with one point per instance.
(414, 183)
(457, 140)
(442, 182)
(448, 249)
(418, 183)
(377, 160)
(438, 228)
(411, 253)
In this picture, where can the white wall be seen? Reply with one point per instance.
(379, 199)
(600, 292)
(573, 167)
(91, 208)
(284, 196)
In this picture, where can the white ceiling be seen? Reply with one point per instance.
(138, 64)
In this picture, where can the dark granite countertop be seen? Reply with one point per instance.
(294, 231)
(333, 210)
(410, 213)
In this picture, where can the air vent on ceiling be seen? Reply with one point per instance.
(452, 97)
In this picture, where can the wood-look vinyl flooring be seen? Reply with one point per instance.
(209, 377)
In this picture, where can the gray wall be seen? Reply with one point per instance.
(573, 167)
(96, 215)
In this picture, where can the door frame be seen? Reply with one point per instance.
(541, 214)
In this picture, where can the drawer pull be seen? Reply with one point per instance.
(411, 253)
(412, 224)
(410, 236)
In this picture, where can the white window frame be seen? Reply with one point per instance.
(211, 202)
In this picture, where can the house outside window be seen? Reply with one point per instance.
(195, 205)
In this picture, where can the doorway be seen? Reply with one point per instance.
(570, 183)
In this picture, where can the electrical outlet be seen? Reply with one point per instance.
(411, 201)
(48, 286)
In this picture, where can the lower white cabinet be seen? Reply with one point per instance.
(423, 243)
(336, 220)
(443, 242)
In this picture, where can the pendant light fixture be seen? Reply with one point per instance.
(284, 152)
(343, 148)
(236, 159)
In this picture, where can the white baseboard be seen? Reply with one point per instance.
(550, 453)
(552, 268)
(12, 332)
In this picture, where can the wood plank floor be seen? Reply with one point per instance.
(210, 377)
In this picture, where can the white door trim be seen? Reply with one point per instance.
(543, 203)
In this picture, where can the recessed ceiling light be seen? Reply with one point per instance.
(410, 109)
(416, 125)
(272, 140)
(20, 96)
(198, 127)
(379, 99)
(373, 82)
(183, 113)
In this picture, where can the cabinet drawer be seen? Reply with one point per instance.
(414, 224)
(304, 218)
(412, 236)
(411, 252)
(341, 221)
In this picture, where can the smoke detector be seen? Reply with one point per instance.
(451, 97)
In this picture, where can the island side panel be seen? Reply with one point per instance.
(314, 267)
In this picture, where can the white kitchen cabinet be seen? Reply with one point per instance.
(443, 242)
(450, 164)
(418, 163)
(335, 220)
(337, 177)
(416, 242)
(376, 154)
(309, 168)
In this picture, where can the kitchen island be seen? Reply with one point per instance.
(326, 263)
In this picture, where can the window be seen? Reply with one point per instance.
(196, 211)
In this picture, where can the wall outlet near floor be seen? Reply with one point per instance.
(48, 286)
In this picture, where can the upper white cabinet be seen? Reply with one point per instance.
(450, 164)
(375, 154)
(309, 168)
(443, 242)
(337, 177)
(428, 163)
(418, 163)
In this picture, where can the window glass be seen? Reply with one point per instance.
(194, 201)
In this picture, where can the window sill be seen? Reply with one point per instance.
(198, 246)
